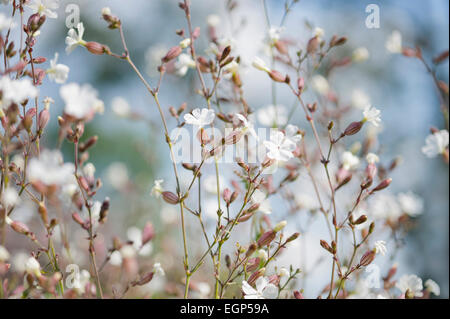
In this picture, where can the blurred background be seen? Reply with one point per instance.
(130, 155)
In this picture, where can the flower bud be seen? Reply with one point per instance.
(20, 228)
(360, 220)
(148, 233)
(298, 295)
(251, 280)
(44, 116)
(280, 226)
(251, 249)
(384, 184)
(313, 44)
(325, 246)
(292, 237)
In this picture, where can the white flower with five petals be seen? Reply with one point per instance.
(58, 72)
(264, 289)
(279, 147)
(45, 7)
(200, 118)
(372, 115)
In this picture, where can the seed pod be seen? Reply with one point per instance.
(277, 76)
(367, 258)
(170, 198)
(251, 249)
(313, 44)
(266, 238)
(96, 48)
(173, 53)
(325, 246)
(360, 220)
(353, 128)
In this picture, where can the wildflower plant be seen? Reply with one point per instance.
(348, 185)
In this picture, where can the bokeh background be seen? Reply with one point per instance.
(133, 150)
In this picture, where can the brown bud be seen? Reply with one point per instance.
(173, 53)
(104, 210)
(353, 128)
(298, 295)
(277, 76)
(367, 258)
(441, 57)
(170, 198)
(384, 184)
(360, 220)
(313, 44)
(325, 246)
(251, 249)
(96, 48)
(43, 213)
(20, 228)
(292, 237)
(266, 238)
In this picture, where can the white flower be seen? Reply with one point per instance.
(320, 84)
(120, 106)
(385, 206)
(83, 279)
(433, 287)
(360, 54)
(260, 198)
(305, 201)
(264, 289)
(372, 115)
(410, 284)
(259, 64)
(410, 203)
(134, 234)
(75, 38)
(273, 115)
(283, 272)
(318, 32)
(349, 161)
(45, 7)
(262, 255)
(81, 101)
(436, 144)
(230, 69)
(117, 175)
(359, 99)
(380, 247)
(50, 169)
(6, 22)
(279, 147)
(10, 197)
(158, 270)
(4, 254)
(213, 20)
(394, 42)
(274, 34)
(58, 72)
(127, 252)
(372, 158)
(33, 267)
(200, 118)
(185, 43)
(292, 133)
(16, 91)
(89, 170)
(106, 11)
(116, 258)
(153, 58)
(184, 62)
(247, 126)
(157, 188)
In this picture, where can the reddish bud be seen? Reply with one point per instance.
(173, 53)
